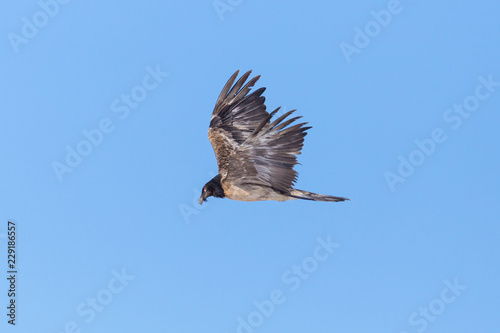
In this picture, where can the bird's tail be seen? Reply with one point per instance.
(299, 194)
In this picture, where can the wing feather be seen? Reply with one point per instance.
(236, 115)
(250, 149)
(268, 156)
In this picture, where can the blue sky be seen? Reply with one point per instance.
(403, 98)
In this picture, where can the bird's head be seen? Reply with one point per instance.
(212, 189)
(205, 193)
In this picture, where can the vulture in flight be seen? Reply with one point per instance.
(255, 153)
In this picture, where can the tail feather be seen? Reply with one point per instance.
(299, 194)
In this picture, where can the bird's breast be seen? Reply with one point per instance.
(251, 192)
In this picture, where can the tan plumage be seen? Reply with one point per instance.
(255, 156)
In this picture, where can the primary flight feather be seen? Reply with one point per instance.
(255, 154)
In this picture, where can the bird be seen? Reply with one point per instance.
(255, 153)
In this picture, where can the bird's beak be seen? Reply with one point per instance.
(201, 200)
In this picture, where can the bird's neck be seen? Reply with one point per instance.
(217, 186)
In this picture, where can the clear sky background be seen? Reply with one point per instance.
(404, 101)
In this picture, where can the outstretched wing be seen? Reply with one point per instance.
(268, 155)
(236, 115)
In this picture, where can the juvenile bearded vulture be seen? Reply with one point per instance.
(255, 156)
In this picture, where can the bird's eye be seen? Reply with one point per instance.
(204, 189)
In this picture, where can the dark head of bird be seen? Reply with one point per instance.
(212, 189)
